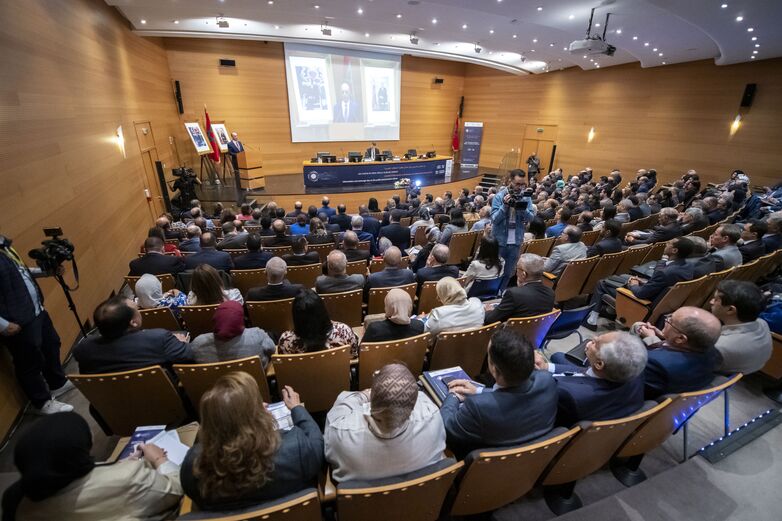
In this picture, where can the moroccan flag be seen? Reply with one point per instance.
(215, 155)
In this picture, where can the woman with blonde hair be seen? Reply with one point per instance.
(397, 324)
(206, 287)
(241, 458)
(457, 312)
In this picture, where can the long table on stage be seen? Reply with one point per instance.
(376, 172)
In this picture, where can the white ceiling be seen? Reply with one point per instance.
(652, 32)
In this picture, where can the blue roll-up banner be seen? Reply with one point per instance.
(471, 144)
(361, 174)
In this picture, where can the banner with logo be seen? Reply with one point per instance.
(471, 145)
(383, 173)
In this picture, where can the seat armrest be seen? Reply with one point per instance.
(186, 506)
(327, 491)
(629, 294)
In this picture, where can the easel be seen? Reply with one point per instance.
(211, 171)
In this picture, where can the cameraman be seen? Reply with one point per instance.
(510, 211)
(184, 187)
(27, 330)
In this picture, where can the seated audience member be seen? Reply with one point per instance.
(487, 263)
(357, 226)
(536, 229)
(341, 219)
(667, 229)
(193, 242)
(457, 312)
(337, 279)
(528, 298)
(279, 239)
(398, 323)
(520, 407)
(424, 219)
(313, 330)
(245, 212)
(609, 241)
(233, 239)
(622, 211)
(154, 261)
(241, 458)
(557, 229)
(609, 387)
(60, 480)
(257, 216)
(388, 430)
(421, 257)
(725, 254)
(633, 210)
(745, 341)
(484, 219)
(437, 266)
(698, 259)
(457, 224)
(297, 210)
(562, 254)
(752, 246)
(585, 221)
(277, 286)
(331, 229)
(255, 258)
(206, 287)
(398, 235)
(219, 260)
(666, 274)
(230, 340)
(393, 274)
(325, 207)
(121, 345)
(318, 232)
(692, 219)
(609, 214)
(370, 225)
(301, 226)
(773, 236)
(300, 255)
(266, 227)
(682, 356)
(164, 223)
(149, 294)
(350, 247)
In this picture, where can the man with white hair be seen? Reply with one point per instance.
(571, 249)
(277, 287)
(692, 219)
(485, 219)
(337, 280)
(667, 229)
(609, 387)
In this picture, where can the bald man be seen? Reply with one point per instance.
(682, 356)
(337, 279)
(393, 274)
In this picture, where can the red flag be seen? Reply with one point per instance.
(215, 155)
(455, 139)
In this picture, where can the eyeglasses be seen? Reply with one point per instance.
(669, 320)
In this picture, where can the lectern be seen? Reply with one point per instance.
(249, 166)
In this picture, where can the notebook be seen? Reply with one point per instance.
(436, 382)
(157, 435)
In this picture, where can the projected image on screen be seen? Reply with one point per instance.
(342, 95)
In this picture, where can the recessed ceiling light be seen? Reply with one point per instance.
(750, 29)
(597, 65)
(360, 11)
(585, 56)
(757, 45)
(754, 38)
(597, 25)
(564, 48)
(177, 21)
(739, 18)
(646, 44)
(464, 26)
(366, 35)
(491, 31)
(143, 22)
(316, 6)
(540, 8)
(618, 31)
(534, 40)
(434, 20)
(754, 52)
(276, 26)
(724, 6)
(515, 35)
(532, 50)
(654, 50)
(399, 15)
(663, 63)
(570, 17)
(270, 2)
(751, 57)
(660, 54)
(635, 37)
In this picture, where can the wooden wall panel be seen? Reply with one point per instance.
(253, 100)
(670, 118)
(70, 73)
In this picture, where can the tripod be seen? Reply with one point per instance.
(67, 290)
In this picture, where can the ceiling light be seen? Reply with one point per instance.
(618, 31)
(551, 45)
(571, 17)
(646, 44)
(739, 18)
(751, 57)
(754, 38)
(754, 52)
(724, 6)
(635, 37)
(585, 56)
(564, 48)
(654, 50)
(660, 54)
(176, 21)
(757, 45)
(597, 25)
(270, 2)
(434, 20)
(276, 26)
(515, 35)
(534, 40)
(143, 22)
(360, 11)
(597, 65)
(316, 6)
(750, 29)
(663, 63)
(540, 8)
(399, 15)
(491, 31)
(464, 26)
(366, 35)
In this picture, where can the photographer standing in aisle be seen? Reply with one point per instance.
(27, 330)
(511, 209)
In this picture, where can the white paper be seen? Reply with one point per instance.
(169, 441)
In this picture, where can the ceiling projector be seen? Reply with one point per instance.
(591, 46)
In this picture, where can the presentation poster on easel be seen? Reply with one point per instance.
(198, 137)
(221, 136)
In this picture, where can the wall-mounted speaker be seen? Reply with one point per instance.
(749, 94)
(439, 81)
(224, 62)
(178, 97)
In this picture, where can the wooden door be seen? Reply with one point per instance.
(540, 140)
(146, 143)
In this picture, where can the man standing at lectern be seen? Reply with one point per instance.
(234, 147)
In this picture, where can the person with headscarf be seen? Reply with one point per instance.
(457, 312)
(149, 294)
(59, 479)
(230, 340)
(388, 430)
(397, 324)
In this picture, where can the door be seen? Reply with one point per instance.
(540, 140)
(146, 143)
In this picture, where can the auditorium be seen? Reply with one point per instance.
(421, 260)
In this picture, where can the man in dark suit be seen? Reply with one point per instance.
(280, 239)
(219, 260)
(530, 297)
(341, 219)
(254, 258)
(520, 407)
(773, 237)
(350, 247)
(337, 279)
(297, 209)
(372, 152)
(609, 240)
(666, 274)
(346, 110)
(392, 275)
(193, 242)
(232, 238)
(682, 356)
(325, 208)
(436, 266)
(611, 385)
(692, 219)
(164, 224)
(154, 261)
(300, 255)
(634, 212)
(277, 288)
(398, 235)
(370, 224)
(234, 147)
(752, 236)
(122, 345)
(669, 228)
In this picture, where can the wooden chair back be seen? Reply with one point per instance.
(159, 318)
(590, 238)
(744, 271)
(701, 297)
(706, 232)
(376, 302)
(273, 316)
(494, 478)
(196, 379)
(534, 328)
(630, 309)
(198, 319)
(322, 249)
(236, 252)
(364, 245)
(415, 500)
(654, 253)
(358, 267)
(345, 306)
(773, 367)
(302, 506)
(419, 239)
(167, 281)
(128, 399)
(244, 280)
(376, 265)
(606, 266)
(318, 377)
(175, 241)
(540, 247)
(304, 275)
(406, 221)
(466, 349)
(461, 247)
(374, 355)
(632, 257)
(571, 281)
(427, 297)
(278, 251)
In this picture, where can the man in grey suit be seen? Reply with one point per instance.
(393, 274)
(572, 249)
(521, 406)
(725, 253)
(232, 238)
(337, 280)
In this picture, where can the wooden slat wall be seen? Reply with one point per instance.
(671, 118)
(253, 100)
(70, 73)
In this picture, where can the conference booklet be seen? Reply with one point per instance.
(282, 415)
(157, 435)
(436, 382)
